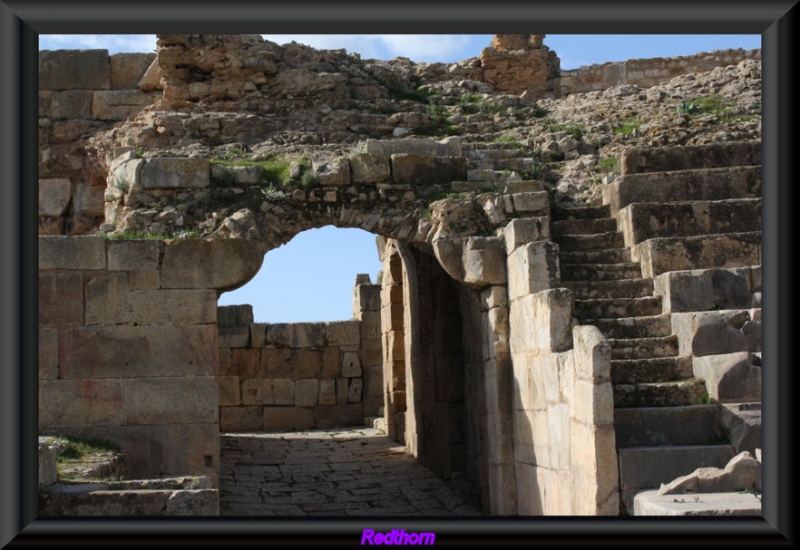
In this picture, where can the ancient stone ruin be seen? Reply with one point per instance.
(569, 307)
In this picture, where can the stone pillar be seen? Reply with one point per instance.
(367, 309)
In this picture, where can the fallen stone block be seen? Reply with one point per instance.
(706, 289)
(742, 421)
(743, 472)
(729, 377)
(54, 196)
(174, 173)
(127, 69)
(450, 146)
(650, 503)
(368, 168)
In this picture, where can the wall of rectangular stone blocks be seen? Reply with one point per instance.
(646, 73)
(82, 92)
(298, 376)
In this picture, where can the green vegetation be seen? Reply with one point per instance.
(274, 170)
(273, 195)
(420, 95)
(628, 127)
(77, 449)
(359, 148)
(150, 236)
(122, 184)
(609, 165)
(571, 129)
(714, 105)
(511, 140)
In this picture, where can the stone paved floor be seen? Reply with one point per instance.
(344, 472)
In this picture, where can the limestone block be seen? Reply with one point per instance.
(50, 225)
(241, 419)
(650, 503)
(330, 362)
(151, 79)
(370, 325)
(80, 403)
(532, 268)
(660, 255)
(229, 391)
(351, 365)
(729, 377)
(526, 230)
(497, 335)
(222, 264)
(174, 173)
(710, 333)
(342, 390)
(45, 103)
(741, 473)
(371, 356)
(234, 316)
(742, 422)
(246, 362)
(307, 364)
(284, 391)
(354, 391)
(366, 298)
(125, 255)
(594, 403)
(306, 393)
(72, 104)
(48, 468)
(234, 337)
(288, 418)
(48, 353)
(529, 499)
(327, 392)
(704, 289)
(450, 146)
(258, 332)
(592, 355)
(532, 202)
(342, 333)
(225, 362)
(552, 310)
(72, 252)
(502, 489)
(477, 261)
(60, 298)
(413, 169)
(373, 381)
(335, 172)
(257, 391)
(171, 400)
(173, 306)
(594, 471)
(296, 335)
(74, 70)
(107, 300)
(494, 296)
(54, 196)
(277, 363)
(127, 69)
(367, 168)
(118, 104)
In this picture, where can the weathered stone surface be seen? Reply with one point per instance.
(126, 255)
(229, 391)
(366, 297)
(173, 306)
(413, 169)
(107, 300)
(118, 104)
(48, 353)
(478, 261)
(246, 362)
(650, 503)
(729, 377)
(296, 335)
(60, 299)
(80, 403)
(172, 173)
(532, 268)
(351, 365)
(447, 147)
(307, 363)
(538, 202)
(330, 362)
(288, 418)
(699, 252)
(234, 337)
(256, 391)
(89, 199)
(153, 400)
(662, 159)
(234, 316)
(72, 104)
(334, 172)
(72, 253)
(354, 390)
(241, 419)
(306, 392)
(258, 333)
(710, 333)
(342, 333)
(367, 168)
(742, 422)
(526, 230)
(74, 70)
(327, 392)
(222, 264)
(127, 69)
(48, 470)
(276, 363)
(706, 289)
(741, 473)
(284, 391)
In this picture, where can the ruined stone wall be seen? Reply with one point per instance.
(82, 92)
(647, 72)
(563, 404)
(128, 345)
(300, 375)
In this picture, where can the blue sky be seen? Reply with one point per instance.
(311, 278)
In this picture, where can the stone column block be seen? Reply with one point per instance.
(54, 196)
(60, 298)
(532, 268)
(171, 400)
(80, 403)
(57, 252)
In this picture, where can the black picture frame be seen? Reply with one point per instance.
(22, 21)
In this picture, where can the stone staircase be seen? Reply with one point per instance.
(663, 430)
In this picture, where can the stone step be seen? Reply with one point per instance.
(561, 213)
(643, 221)
(648, 467)
(690, 157)
(650, 426)
(684, 185)
(581, 257)
(645, 371)
(618, 307)
(633, 327)
(644, 348)
(584, 227)
(600, 272)
(660, 394)
(476, 146)
(620, 288)
(726, 250)
(599, 241)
